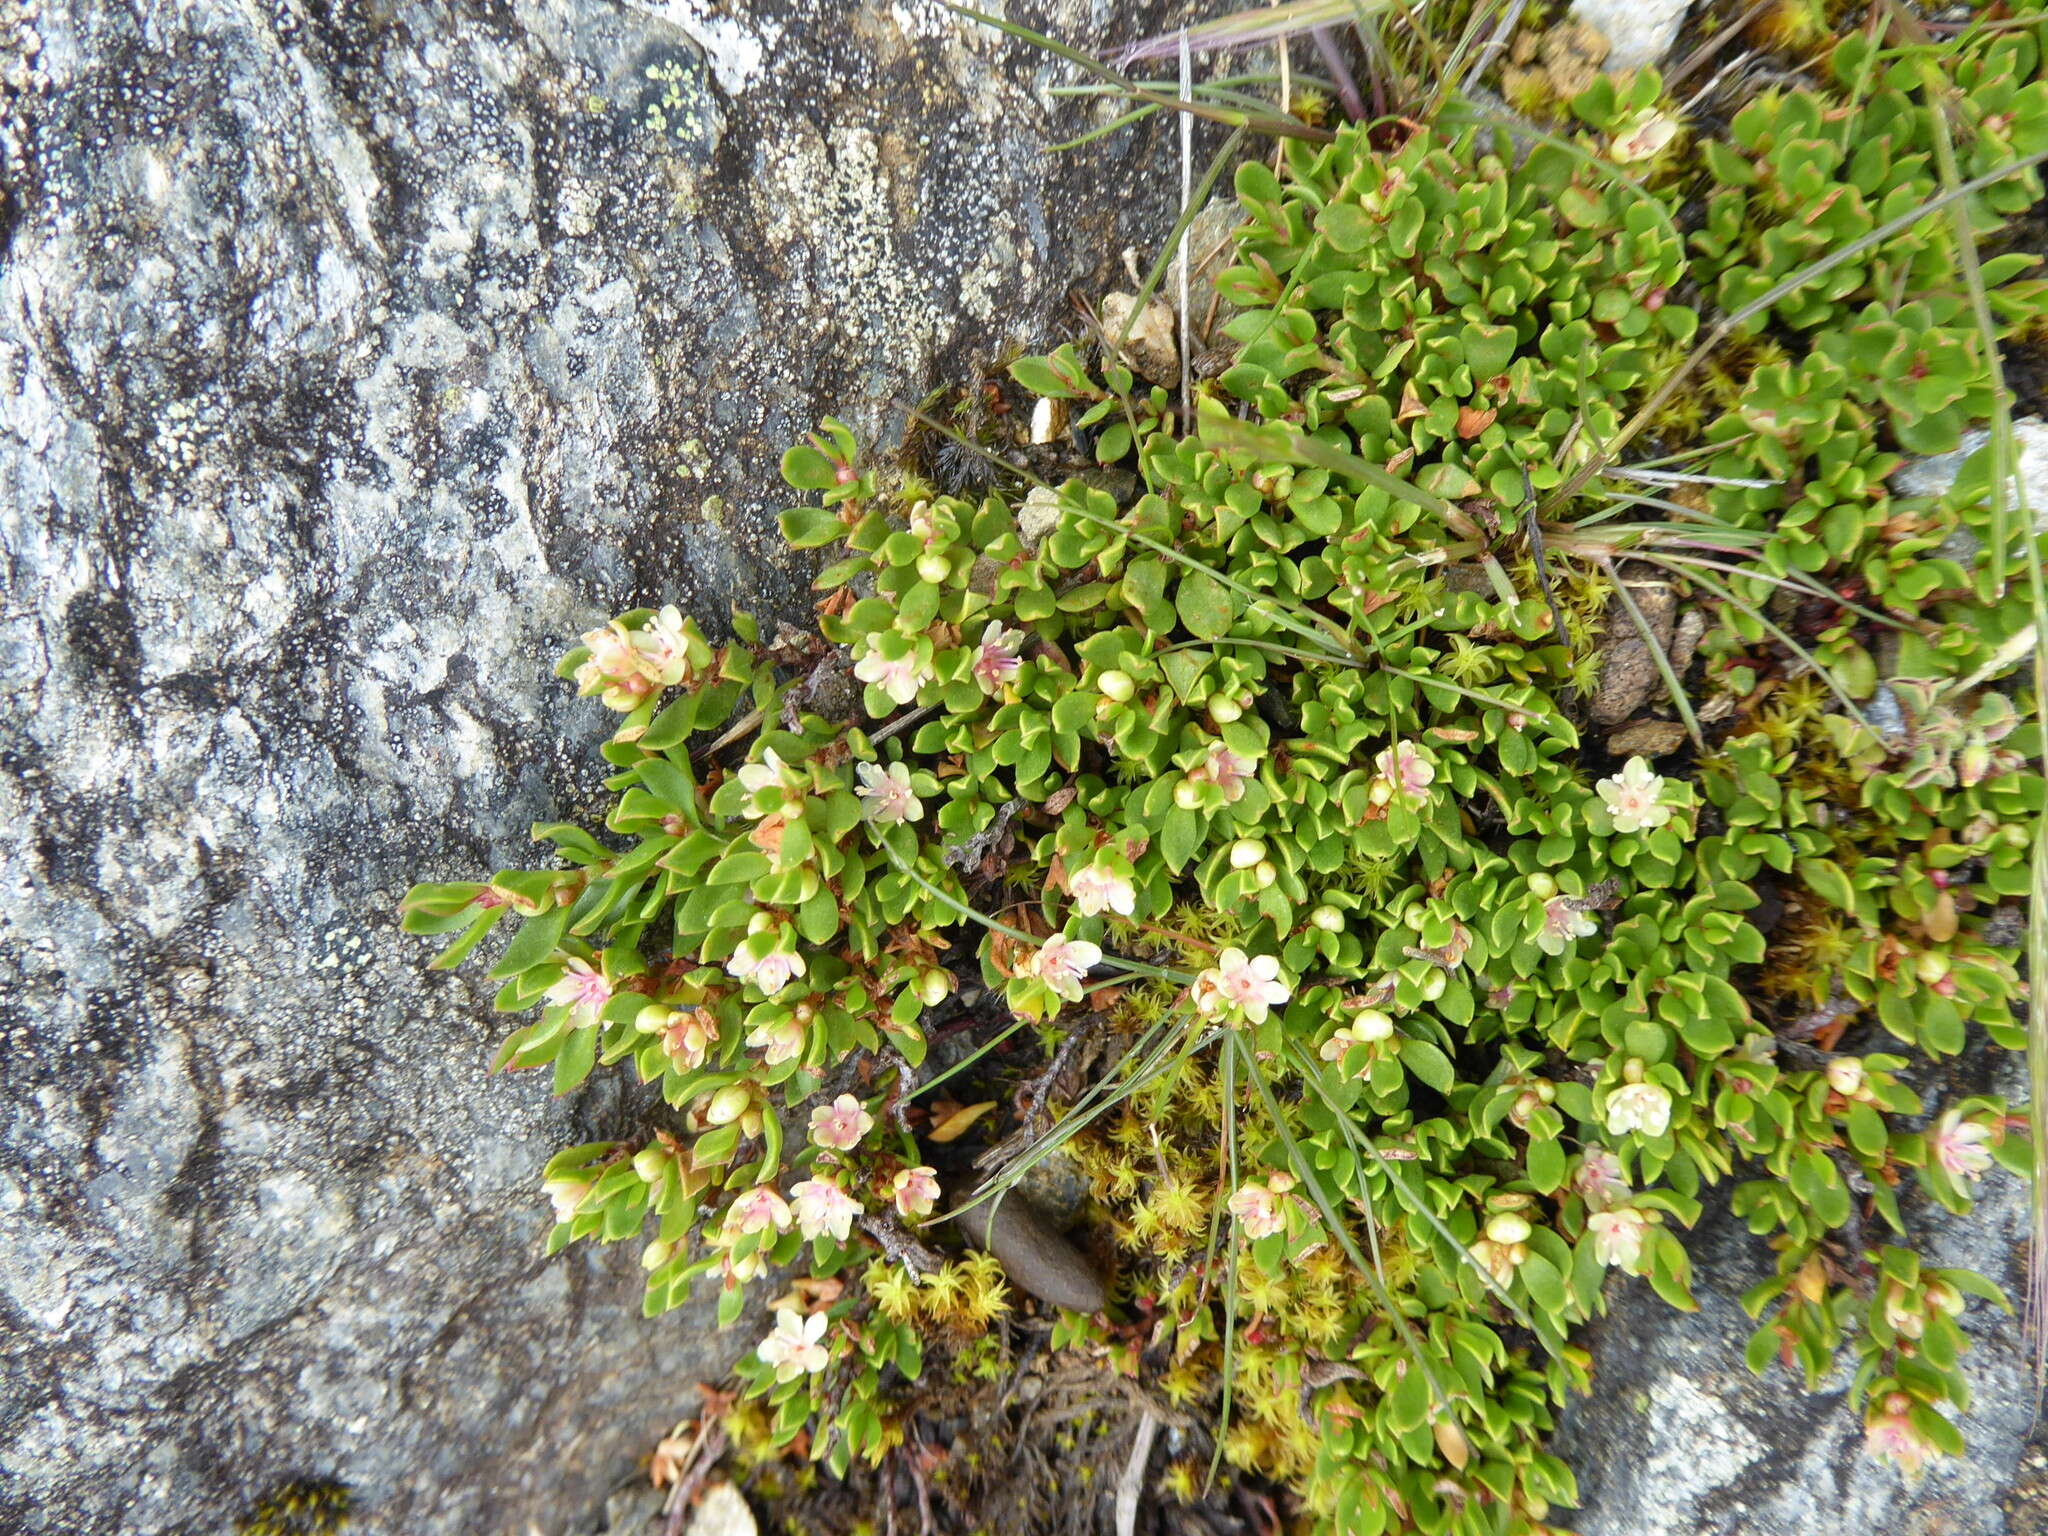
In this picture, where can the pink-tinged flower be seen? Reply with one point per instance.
(1634, 798)
(822, 1206)
(757, 1210)
(796, 1347)
(583, 991)
(661, 648)
(1095, 888)
(1062, 964)
(1563, 926)
(1403, 766)
(888, 793)
(1240, 987)
(1963, 1149)
(898, 676)
(1258, 1210)
(771, 972)
(1225, 769)
(1599, 1179)
(916, 1191)
(998, 658)
(1642, 1107)
(1890, 1435)
(565, 1195)
(613, 670)
(689, 1036)
(840, 1124)
(780, 1041)
(1618, 1237)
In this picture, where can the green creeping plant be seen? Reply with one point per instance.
(1432, 1017)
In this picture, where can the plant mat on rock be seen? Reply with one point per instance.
(1262, 754)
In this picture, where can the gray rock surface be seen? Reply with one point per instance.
(1678, 1439)
(355, 357)
(1639, 31)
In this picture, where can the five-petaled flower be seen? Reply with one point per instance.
(689, 1036)
(583, 990)
(841, 1124)
(779, 1041)
(661, 646)
(613, 670)
(1225, 769)
(757, 1210)
(1095, 887)
(771, 972)
(1563, 924)
(796, 1347)
(755, 777)
(1890, 1435)
(888, 793)
(1404, 767)
(1240, 987)
(1962, 1148)
(1599, 1180)
(999, 657)
(1259, 1210)
(1640, 1107)
(1634, 798)
(1618, 1236)
(915, 1191)
(822, 1206)
(1062, 964)
(898, 676)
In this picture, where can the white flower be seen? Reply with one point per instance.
(1258, 1211)
(822, 1206)
(915, 1190)
(796, 1347)
(755, 777)
(1640, 1107)
(780, 1041)
(1643, 136)
(899, 677)
(661, 647)
(771, 972)
(1245, 987)
(888, 793)
(998, 658)
(1097, 887)
(1404, 767)
(1062, 964)
(841, 1124)
(1600, 1181)
(1618, 1236)
(1634, 798)
(1225, 769)
(1563, 925)
(565, 1195)
(583, 991)
(613, 670)
(1962, 1149)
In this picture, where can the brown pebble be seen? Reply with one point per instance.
(1033, 1253)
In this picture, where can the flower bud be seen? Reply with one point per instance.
(728, 1104)
(1542, 886)
(1116, 685)
(1845, 1075)
(649, 1163)
(1507, 1227)
(1526, 1104)
(652, 1019)
(1264, 873)
(1380, 793)
(933, 567)
(1225, 710)
(1246, 852)
(656, 1254)
(1415, 917)
(1931, 966)
(1371, 1024)
(1434, 985)
(1187, 794)
(935, 986)
(1632, 1070)
(1327, 918)
(758, 922)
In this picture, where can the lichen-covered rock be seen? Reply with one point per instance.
(356, 357)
